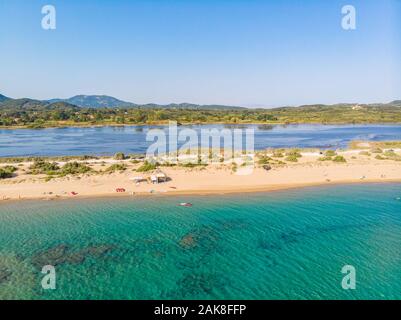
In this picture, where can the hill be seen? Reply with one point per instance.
(3, 98)
(95, 101)
(38, 114)
(20, 104)
(102, 101)
(188, 106)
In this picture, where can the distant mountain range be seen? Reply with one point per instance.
(95, 101)
(3, 98)
(103, 101)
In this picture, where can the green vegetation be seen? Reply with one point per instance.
(40, 114)
(386, 144)
(147, 166)
(11, 169)
(7, 172)
(389, 155)
(325, 158)
(168, 164)
(119, 156)
(264, 160)
(193, 165)
(330, 153)
(41, 166)
(30, 159)
(291, 158)
(116, 167)
(339, 159)
(292, 155)
(278, 154)
(75, 168)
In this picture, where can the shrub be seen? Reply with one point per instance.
(339, 159)
(264, 160)
(12, 160)
(147, 166)
(11, 169)
(75, 168)
(116, 167)
(389, 153)
(330, 153)
(7, 172)
(291, 158)
(365, 153)
(379, 157)
(193, 165)
(293, 153)
(70, 158)
(41, 166)
(326, 158)
(278, 154)
(119, 156)
(168, 164)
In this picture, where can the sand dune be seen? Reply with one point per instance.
(211, 179)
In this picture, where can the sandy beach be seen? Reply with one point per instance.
(212, 179)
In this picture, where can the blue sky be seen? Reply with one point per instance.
(251, 53)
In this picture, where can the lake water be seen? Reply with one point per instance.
(278, 245)
(132, 139)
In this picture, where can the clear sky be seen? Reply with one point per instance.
(251, 53)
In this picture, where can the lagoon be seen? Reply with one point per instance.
(105, 141)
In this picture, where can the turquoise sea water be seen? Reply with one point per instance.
(279, 245)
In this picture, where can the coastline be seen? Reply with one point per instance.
(163, 123)
(214, 179)
(255, 190)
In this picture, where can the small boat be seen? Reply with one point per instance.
(185, 204)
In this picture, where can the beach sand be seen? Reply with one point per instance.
(213, 179)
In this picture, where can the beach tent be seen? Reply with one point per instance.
(158, 177)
